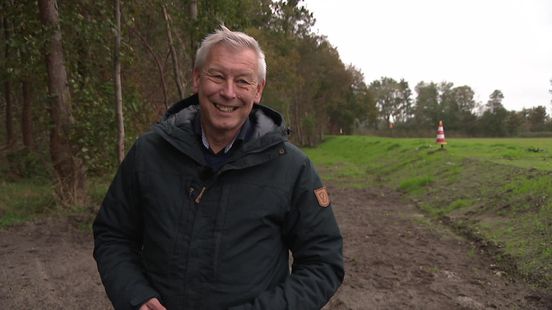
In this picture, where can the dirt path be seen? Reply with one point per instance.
(49, 265)
(394, 260)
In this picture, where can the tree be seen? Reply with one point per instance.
(315, 98)
(342, 116)
(463, 96)
(536, 118)
(465, 103)
(21, 70)
(514, 122)
(118, 87)
(495, 101)
(448, 105)
(69, 170)
(392, 99)
(193, 19)
(10, 135)
(404, 109)
(361, 106)
(26, 114)
(30, 73)
(296, 57)
(493, 120)
(457, 104)
(160, 67)
(174, 56)
(427, 110)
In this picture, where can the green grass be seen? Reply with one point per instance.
(24, 200)
(27, 199)
(361, 150)
(519, 152)
(501, 189)
(416, 183)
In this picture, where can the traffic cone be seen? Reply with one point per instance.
(441, 135)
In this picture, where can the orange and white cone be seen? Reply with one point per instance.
(441, 135)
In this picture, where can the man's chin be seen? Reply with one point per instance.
(225, 127)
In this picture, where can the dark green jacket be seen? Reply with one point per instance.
(169, 228)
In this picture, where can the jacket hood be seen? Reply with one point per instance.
(268, 125)
(264, 120)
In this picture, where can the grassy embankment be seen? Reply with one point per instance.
(496, 191)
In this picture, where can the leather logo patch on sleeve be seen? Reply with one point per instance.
(322, 196)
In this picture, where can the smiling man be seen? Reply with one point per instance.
(227, 84)
(207, 206)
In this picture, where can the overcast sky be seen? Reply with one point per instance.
(485, 44)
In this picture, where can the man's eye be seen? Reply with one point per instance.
(245, 82)
(216, 77)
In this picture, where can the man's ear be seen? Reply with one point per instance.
(195, 80)
(259, 91)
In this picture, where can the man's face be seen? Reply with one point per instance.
(227, 86)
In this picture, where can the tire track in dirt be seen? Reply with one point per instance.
(396, 259)
(48, 264)
(44, 285)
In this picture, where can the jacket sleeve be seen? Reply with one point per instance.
(315, 241)
(118, 240)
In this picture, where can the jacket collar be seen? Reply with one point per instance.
(177, 127)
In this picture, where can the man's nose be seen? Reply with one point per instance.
(229, 89)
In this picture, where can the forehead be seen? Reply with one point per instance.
(232, 59)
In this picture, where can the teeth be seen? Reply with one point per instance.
(224, 108)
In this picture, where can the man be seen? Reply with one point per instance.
(206, 207)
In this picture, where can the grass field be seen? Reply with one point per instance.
(497, 191)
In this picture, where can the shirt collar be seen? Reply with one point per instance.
(241, 136)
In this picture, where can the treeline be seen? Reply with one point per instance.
(399, 109)
(58, 76)
(58, 69)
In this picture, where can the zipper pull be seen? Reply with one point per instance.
(200, 195)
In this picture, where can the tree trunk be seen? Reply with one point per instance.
(69, 170)
(193, 10)
(193, 17)
(26, 115)
(297, 120)
(10, 136)
(118, 87)
(160, 68)
(176, 66)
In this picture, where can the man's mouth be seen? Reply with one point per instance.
(225, 108)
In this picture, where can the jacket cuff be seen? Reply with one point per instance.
(140, 295)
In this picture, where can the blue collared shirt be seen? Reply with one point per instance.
(216, 161)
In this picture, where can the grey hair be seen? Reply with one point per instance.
(232, 39)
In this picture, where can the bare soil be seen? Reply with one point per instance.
(395, 259)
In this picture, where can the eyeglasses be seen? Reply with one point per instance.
(242, 83)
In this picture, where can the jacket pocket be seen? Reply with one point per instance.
(251, 244)
(165, 213)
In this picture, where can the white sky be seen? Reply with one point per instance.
(485, 44)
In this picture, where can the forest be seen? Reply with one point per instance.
(82, 79)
